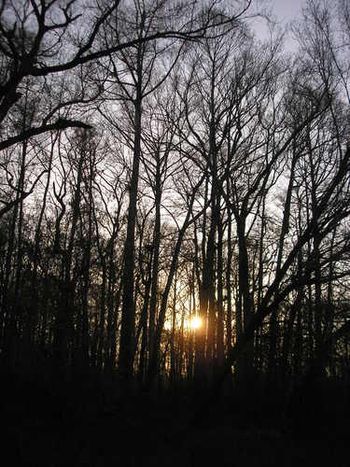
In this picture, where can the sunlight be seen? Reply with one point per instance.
(196, 323)
(192, 324)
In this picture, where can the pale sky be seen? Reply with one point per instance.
(283, 11)
(286, 10)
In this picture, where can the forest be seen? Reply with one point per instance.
(174, 233)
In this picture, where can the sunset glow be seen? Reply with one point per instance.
(195, 323)
(189, 324)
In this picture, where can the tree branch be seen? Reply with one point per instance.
(60, 124)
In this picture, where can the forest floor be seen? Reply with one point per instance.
(88, 425)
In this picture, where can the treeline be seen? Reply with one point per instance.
(175, 192)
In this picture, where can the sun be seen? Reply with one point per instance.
(189, 324)
(196, 323)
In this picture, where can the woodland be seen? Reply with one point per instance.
(174, 233)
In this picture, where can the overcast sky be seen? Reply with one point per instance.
(286, 10)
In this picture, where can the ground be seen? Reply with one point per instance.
(88, 424)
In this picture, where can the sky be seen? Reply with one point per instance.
(283, 11)
(286, 10)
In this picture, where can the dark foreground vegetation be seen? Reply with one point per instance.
(174, 234)
(87, 422)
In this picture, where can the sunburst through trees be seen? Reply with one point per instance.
(175, 195)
